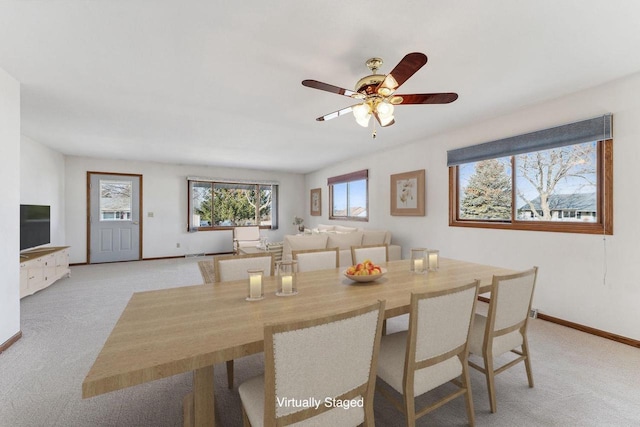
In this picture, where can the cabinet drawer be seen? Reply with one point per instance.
(35, 276)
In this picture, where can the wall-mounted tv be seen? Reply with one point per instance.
(35, 226)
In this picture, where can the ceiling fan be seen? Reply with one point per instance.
(376, 92)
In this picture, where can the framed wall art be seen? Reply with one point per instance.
(316, 202)
(407, 193)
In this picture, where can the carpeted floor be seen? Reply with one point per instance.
(581, 380)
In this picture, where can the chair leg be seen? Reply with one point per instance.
(527, 360)
(410, 409)
(466, 382)
(230, 374)
(491, 387)
(384, 327)
(245, 419)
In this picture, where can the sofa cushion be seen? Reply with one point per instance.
(343, 229)
(371, 237)
(322, 227)
(345, 241)
(301, 242)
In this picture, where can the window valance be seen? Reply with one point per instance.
(596, 129)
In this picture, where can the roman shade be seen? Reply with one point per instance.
(353, 176)
(595, 129)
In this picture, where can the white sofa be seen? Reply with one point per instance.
(330, 236)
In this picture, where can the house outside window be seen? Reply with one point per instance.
(349, 196)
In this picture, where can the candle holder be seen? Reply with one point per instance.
(287, 271)
(255, 290)
(433, 259)
(419, 260)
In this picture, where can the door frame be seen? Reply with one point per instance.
(89, 173)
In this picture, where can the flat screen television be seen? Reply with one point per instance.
(35, 226)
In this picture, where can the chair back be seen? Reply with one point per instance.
(332, 357)
(511, 297)
(316, 259)
(234, 267)
(439, 324)
(378, 254)
(246, 233)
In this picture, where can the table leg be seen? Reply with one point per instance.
(198, 407)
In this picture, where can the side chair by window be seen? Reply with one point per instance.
(504, 329)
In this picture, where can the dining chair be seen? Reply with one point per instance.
(234, 267)
(432, 352)
(504, 329)
(329, 361)
(378, 254)
(227, 268)
(316, 259)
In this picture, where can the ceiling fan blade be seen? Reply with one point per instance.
(406, 68)
(424, 98)
(314, 84)
(335, 114)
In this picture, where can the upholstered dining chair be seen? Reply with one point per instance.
(329, 359)
(234, 267)
(504, 329)
(432, 352)
(316, 259)
(378, 254)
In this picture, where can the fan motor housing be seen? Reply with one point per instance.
(368, 84)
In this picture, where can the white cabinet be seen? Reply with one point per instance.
(40, 268)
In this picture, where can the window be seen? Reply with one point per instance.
(223, 205)
(349, 196)
(564, 187)
(115, 200)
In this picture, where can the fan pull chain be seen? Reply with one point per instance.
(375, 132)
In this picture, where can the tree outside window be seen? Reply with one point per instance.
(220, 205)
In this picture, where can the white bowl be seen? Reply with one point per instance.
(369, 278)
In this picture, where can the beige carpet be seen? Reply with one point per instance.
(581, 380)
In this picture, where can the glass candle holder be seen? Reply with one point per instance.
(287, 271)
(419, 260)
(433, 259)
(255, 290)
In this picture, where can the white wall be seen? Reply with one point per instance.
(42, 183)
(165, 194)
(583, 278)
(9, 207)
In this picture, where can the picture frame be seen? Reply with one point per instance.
(408, 193)
(316, 202)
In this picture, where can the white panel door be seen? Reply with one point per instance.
(114, 218)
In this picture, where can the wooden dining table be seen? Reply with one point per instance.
(190, 329)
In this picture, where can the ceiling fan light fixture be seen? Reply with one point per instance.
(384, 109)
(386, 120)
(363, 121)
(362, 113)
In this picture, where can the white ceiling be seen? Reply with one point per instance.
(219, 82)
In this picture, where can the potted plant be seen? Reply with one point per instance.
(299, 222)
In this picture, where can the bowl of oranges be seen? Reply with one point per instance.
(366, 271)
